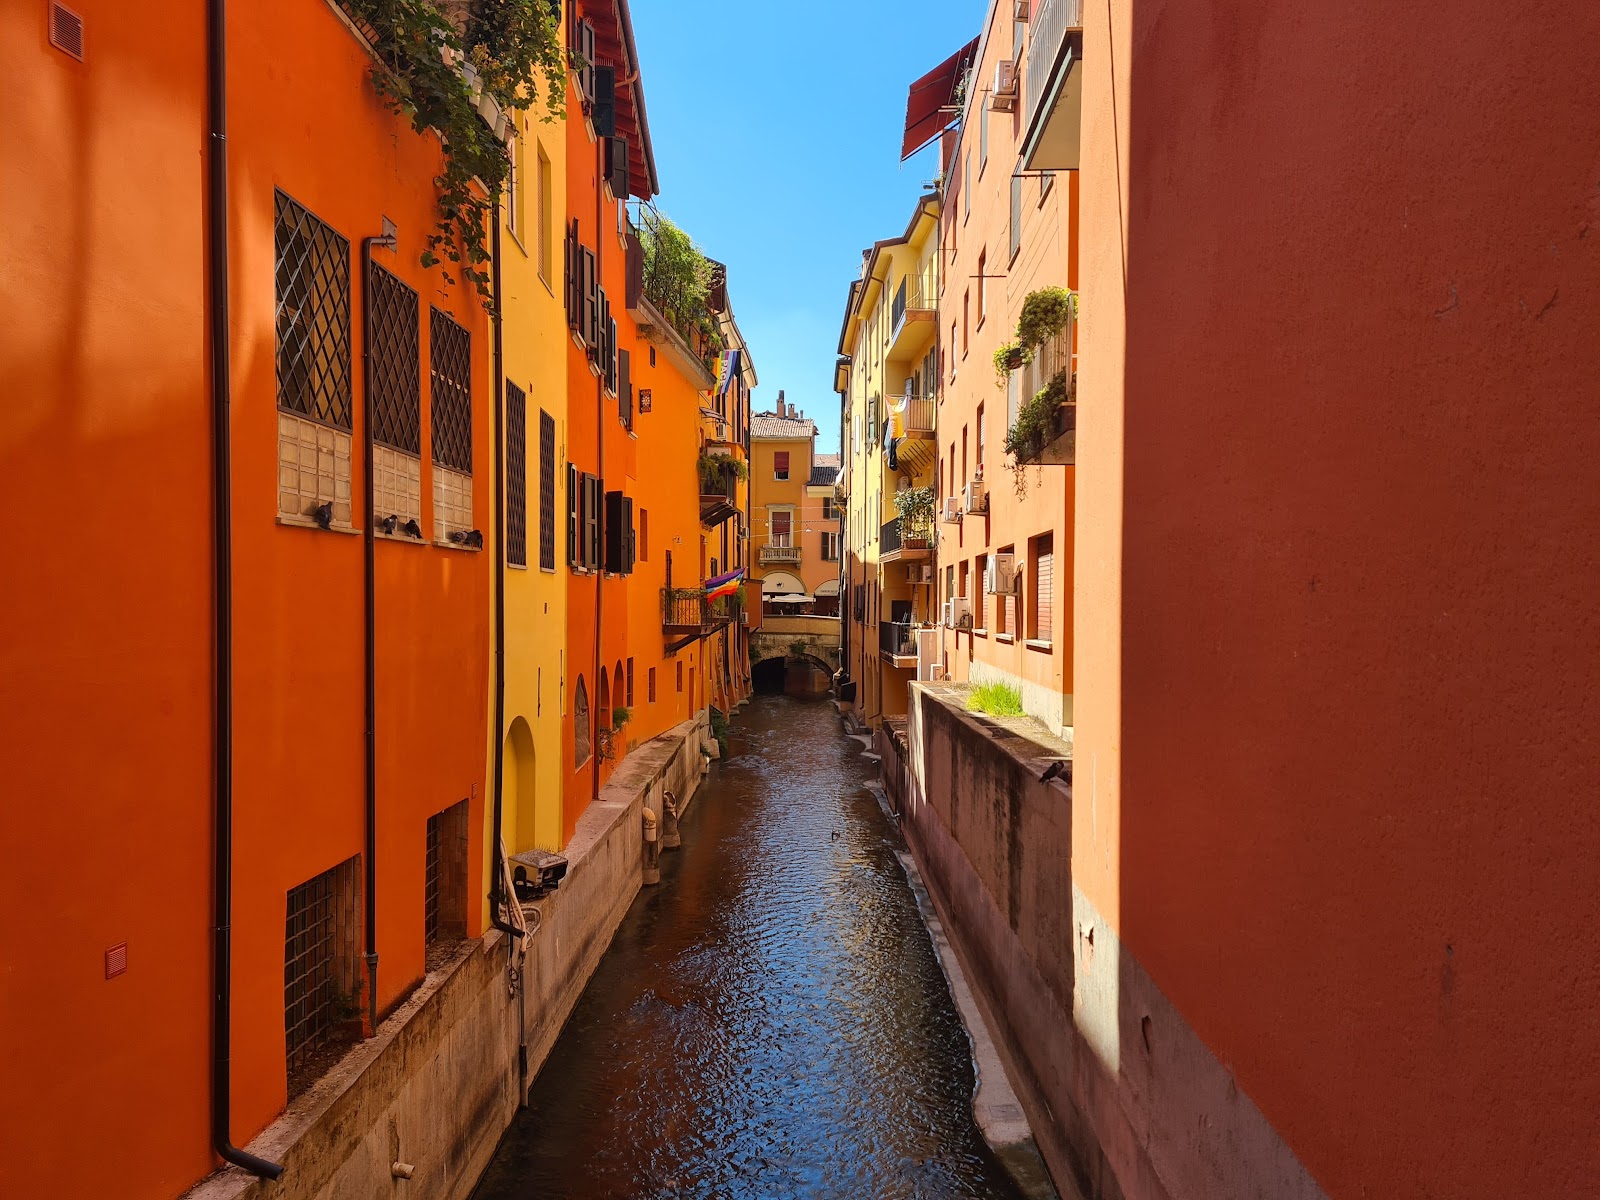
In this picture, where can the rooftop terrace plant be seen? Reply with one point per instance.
(677, 280)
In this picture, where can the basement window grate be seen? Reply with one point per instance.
(321, 985)
(312, 273)
(396, 361)
(450, 359)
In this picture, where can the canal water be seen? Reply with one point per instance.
(771, 1020)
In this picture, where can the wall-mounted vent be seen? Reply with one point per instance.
(116, 960)
(66, 31)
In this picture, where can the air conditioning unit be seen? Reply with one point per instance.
(975, 497)
(958, 613)
(1005, 87)
(1000, 575)
(924, 572)
(952, 508)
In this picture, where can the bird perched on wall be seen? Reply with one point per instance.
(1060, 769)
(387, 525)
(322, 514)
(411, 527)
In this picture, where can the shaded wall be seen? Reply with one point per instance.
(1337, 560)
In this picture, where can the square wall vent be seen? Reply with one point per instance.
(66, 31)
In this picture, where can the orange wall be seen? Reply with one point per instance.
(1046, 257)
(1338, 508)
(105, 665)
(311, 125)
(111, 687)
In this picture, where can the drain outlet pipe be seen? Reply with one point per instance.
(370, 626)
(222, 560)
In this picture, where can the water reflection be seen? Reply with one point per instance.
(770, 1021)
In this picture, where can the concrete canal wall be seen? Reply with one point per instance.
(1124, 1098)
(439, 1083)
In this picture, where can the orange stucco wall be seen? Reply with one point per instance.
(108, 693)
(105, 664)
(1337, 516)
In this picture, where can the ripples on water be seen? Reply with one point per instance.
(770, 1021)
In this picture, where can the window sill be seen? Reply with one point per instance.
(308, 523)
(517, 238)
(405, 539)
(1037, 644)
(511, 566)
(982, 317)
(983, 633)
(547, 570)
(548, 286)
(1007, 638)
(446, 544)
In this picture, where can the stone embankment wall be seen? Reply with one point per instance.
(1124, 1099)
(440, 1082)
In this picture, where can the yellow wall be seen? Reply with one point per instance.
(535, 361)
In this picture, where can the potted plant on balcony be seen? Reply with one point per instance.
(1044, 314)
(1007, 359)
(1039, 422)
(715, 471)
(915, 507)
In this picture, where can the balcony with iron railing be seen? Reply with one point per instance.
(897, 642)
(780, 549)
(905, 539)
(911, 414)
(1049, 384)
(914, 316)
(687, 611)
(1052, 87)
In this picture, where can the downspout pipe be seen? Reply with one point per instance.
(600, 466)
(370, 631)
(497, 821)
(222, 560)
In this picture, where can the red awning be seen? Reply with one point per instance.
(929, 95)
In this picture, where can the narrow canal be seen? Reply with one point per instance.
(771, 1020)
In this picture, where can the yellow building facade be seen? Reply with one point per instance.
(889, 380)
(787, 520)
(534, 337)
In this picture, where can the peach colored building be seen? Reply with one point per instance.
(1006, 529)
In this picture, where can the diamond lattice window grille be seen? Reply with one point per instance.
(312, 276)
(516, 476)
(450, 354)
(396, 361)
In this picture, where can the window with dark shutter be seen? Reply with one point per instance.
(450, 355)
(625, 389)
(630, 683)
(312, 273)
(574, 515)
(591, 299)
(547, 491)
(516, 476)
(780, 464)
(395, 339)
(619, 533)
(628, 546)
(593, 506)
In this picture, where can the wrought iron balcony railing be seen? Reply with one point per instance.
(905, 533)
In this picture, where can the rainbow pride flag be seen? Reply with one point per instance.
(724, 585)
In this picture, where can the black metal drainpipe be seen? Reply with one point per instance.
(222, 516)
(496, 884)
(600, 144)
(370, 624)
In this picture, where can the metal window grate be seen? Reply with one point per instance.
(312, 273)
(450, 356)
(396, 361)
(516, 476)
(321, 933)
(547, 491)
(430, 884)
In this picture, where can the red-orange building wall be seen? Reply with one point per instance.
(107, 692)
(1338, 557)
(105, 604)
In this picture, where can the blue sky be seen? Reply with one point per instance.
(777, 137)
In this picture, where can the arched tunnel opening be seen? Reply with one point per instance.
(794, 675)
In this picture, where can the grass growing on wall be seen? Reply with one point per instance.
(996, 699)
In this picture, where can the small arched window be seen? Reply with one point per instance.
(603, 698)
(580, 723)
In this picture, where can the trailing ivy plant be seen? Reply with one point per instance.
(1007, 359)
(513, 46)
(1044, 314)
(1035, 426)
(715, 468)
(915, 506)
(677, 279)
